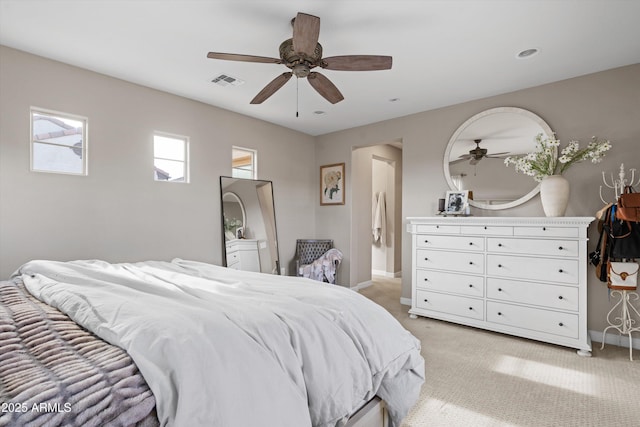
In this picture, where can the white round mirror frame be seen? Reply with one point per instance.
(514, 110)
(237, 200)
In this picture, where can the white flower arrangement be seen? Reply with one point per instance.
(544, 161)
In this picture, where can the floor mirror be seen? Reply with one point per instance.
(250, 239)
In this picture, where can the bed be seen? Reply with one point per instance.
(184, 343)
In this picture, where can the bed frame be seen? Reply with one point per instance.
(372, 414)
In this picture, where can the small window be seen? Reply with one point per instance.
(170, 157)
(58, 142)
(243, 163)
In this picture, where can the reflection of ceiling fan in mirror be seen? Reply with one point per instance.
(301, 54)
(477, 154)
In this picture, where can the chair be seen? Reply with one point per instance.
(308, 251)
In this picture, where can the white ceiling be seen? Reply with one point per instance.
(444, 52)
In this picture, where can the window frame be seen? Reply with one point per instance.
(59, 114)
(186, 168)
(254, 161)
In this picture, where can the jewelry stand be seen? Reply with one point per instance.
(626, 321)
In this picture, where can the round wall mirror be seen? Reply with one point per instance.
(234, 215)
(474, 158)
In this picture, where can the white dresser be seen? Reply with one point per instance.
(515, 275)
(242, 254)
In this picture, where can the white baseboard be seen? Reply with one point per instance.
(613, 338)
(386, 273)
(405, 301)
(362, 285)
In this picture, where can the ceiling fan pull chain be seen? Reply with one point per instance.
(297, 95)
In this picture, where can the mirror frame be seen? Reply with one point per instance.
(275, 226)
(244, 213)
(514, 110)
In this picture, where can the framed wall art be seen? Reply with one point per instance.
(332, 184)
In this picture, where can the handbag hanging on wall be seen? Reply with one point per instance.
(628, 206)
(623, 276)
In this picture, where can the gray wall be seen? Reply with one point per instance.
(606, 104)
(117, 212)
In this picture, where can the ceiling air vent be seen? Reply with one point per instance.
(225, 80)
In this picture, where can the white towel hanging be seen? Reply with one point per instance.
(379, 220)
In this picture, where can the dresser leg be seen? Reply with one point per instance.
(413, 316)
(584, 353)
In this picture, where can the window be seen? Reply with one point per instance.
(243, 163)
(58, 142)
(170, 157)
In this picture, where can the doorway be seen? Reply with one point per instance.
(376, 173)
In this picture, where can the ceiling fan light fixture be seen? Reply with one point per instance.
(527, 53)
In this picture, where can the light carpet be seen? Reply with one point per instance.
(481, 378)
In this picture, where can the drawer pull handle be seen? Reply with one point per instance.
(499, 289)
(499, 314)
(485, 227)
(499, 265)
(470, 308)
(470, 243)
(471, 286)
(426, 241)
(561, 271)
(437, 226)
(426, 300)
(426, 280)
(426, 259)
(560, 248)
(499, 245)
(544, 228)
(560, 297)
(560, 324)
(470, 262)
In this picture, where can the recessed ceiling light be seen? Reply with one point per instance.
(394, 100)
(318, 112)
(527, 53)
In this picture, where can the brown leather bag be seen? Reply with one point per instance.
(628, 208)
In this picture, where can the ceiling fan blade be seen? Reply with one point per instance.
(325, 88)
(243, 58)
(498, 154)
(306, 30)
(474, 161)
(357, 63)
(454, 162)
(271, 88)
(465, 156)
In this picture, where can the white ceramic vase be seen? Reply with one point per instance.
(554, 194)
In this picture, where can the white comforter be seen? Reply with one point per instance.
(220, 347)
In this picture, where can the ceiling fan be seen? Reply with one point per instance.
(303, 53)
(477, 154)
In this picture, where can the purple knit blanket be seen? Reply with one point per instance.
(54, 373)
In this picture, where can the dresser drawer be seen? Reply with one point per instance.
(534, 319)
(450, 242)
(450, 304)
(438, 229)
(544, 295)
(539, 269)
(546, 231)
(555, 248)
(485, 230)
(232, 257)
(450, 282)
(463, 262)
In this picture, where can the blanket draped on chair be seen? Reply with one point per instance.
(324, 267)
